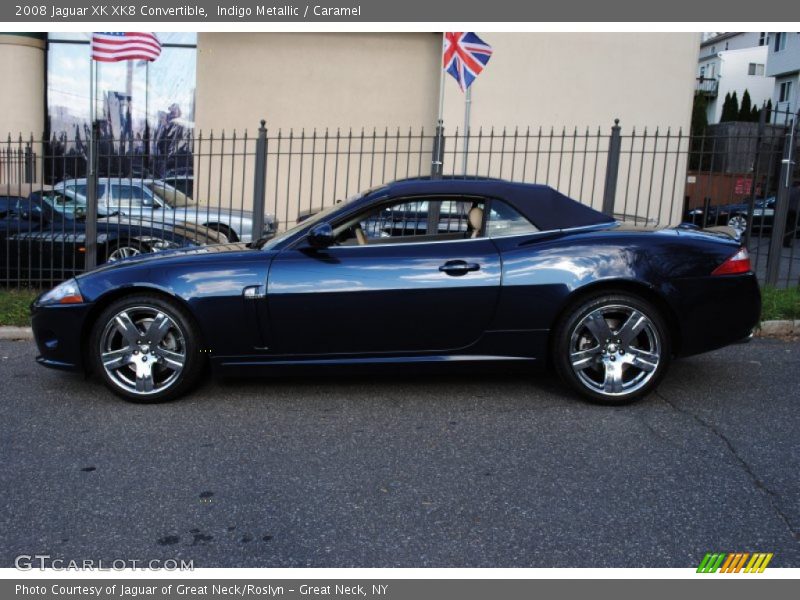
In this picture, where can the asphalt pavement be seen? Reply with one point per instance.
(466, 470)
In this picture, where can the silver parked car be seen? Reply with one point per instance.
(154, 200)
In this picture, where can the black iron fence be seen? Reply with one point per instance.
(68, 204)
(745, 175)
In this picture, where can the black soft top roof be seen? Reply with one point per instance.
(545, 207)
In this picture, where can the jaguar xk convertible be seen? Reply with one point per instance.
(500, 272)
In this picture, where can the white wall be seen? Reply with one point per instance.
(559, 80)
(582, 79)
(734, 77)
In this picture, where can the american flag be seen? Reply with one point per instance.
(465, 56)
(114, 46)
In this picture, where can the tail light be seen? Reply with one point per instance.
(736, 264)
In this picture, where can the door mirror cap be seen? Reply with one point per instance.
(321, 236)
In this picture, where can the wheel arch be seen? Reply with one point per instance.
(626, 286)
(224, 229)
(113, 295)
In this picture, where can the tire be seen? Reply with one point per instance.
(146, 349)
(611, 348)
(123, 249)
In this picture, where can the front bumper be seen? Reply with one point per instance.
(58, 332)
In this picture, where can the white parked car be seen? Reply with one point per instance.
(156, 201)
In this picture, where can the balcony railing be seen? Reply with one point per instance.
(706, 85)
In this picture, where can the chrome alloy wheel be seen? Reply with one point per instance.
(615, 350)
(739, 223)
(143, 351)
(123, 252)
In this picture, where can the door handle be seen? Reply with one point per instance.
(458, 267)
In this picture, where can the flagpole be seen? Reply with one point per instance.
(441, 85)
(437, 158)
(91, 107)
(467, 107)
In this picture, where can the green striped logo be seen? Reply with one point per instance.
(734, 562)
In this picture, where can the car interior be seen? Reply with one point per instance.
(407, 221)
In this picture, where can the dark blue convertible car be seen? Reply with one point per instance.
(500, 272)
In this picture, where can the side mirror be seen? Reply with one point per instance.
(321, 235)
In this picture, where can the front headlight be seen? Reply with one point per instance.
(64, 293)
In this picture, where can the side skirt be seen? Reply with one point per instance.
(259, 365)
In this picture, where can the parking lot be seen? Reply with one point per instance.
(491, 470)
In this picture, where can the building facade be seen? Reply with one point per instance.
(733, 62)
(561, 84)
(783, 64)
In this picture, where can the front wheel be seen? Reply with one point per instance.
(146, 349)
(612, 348)
(123, 249)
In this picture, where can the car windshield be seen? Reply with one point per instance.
(169, 195)
(63, 204)
(76, 193)
(315, 218)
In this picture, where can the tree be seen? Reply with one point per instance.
(745, 111)
(730, 108)
(754, 114)
(769, 110)
(699, 114)
(726, 109)
(698, 131)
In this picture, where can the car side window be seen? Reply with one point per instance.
(504, 220)
(130, 196)
(79, 190)
(408, 221)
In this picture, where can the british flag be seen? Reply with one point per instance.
(114, 46)
(465, 56)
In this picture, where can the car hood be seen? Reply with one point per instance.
(166, 255)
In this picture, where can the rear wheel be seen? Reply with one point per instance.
(146, 349)
(612, 348)
(739, 223)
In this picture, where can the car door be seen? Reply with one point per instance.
(403, 294)
(133, 200)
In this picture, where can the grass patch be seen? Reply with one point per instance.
(780, 304)
(14, 307)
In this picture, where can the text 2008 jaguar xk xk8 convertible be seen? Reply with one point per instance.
(499, 272)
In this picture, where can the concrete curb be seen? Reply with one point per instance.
(778, 328)
(767, 329)
(15, 333)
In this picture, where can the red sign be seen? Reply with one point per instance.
(742, 186)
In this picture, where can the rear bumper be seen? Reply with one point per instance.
(716, 311)
(57, 331)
